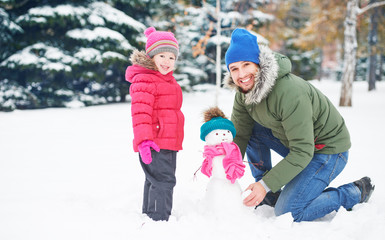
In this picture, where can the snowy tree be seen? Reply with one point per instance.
(167, 15)
(373, 45)
(350, 48)
(191, 69)
(327, 19)
(8, 29)
(198, 23)
(70, 52)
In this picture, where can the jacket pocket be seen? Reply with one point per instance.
(161, 127)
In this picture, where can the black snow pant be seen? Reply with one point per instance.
(159, 184)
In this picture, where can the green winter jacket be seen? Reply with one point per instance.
(298, 114)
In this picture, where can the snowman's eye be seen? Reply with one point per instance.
(228, 131)
(216, 134)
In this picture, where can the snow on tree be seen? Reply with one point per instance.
(198, 23)
(70, 52)
(7, 29)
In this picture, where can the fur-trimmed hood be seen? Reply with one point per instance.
(142, 64)
(272, 67)
(140, 58)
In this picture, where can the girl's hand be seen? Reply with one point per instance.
(145, 150)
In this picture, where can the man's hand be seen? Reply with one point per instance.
(256, 196)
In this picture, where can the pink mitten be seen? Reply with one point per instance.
(145, 150)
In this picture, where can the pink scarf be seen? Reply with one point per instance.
(232, 162)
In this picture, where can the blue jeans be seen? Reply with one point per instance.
(258, 150)
(306, 197)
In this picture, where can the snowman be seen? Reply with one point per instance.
(222, 164)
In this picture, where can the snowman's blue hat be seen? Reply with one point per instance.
(217, 123)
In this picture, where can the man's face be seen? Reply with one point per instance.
(243, 74)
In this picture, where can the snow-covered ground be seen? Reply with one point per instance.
(72, 174)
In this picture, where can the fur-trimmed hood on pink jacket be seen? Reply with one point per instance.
(156, 101)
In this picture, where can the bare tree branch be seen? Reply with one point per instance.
(370, 6)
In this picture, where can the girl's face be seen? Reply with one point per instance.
(165, 62)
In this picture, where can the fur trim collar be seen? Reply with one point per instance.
(140, 58)
(264, 79)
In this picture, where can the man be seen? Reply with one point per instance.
(274, 109)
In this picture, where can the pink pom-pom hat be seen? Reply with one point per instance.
(158, 41)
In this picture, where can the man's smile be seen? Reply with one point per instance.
(245, 80)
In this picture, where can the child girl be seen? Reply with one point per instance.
(156, 100)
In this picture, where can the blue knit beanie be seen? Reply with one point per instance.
(243, 47)
(217, 123)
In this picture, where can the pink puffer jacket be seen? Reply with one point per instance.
(156, 101)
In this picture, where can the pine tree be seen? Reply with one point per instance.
(70, 51)
(8, 30)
